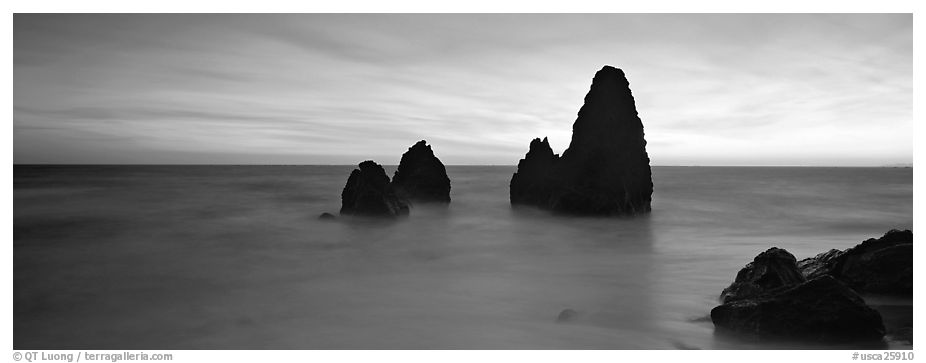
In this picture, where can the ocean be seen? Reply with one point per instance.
(234, 257)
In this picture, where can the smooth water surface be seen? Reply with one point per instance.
(234, 257)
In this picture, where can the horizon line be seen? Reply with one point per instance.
(900, 165)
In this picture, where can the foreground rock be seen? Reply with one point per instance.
(817, 298)
(605, 170)
(819, 265)
(770, 298)
(421, 177)
(883, 265)
(369, 193)
(769, 271)
(821, 310)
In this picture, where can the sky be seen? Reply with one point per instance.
(711, 89)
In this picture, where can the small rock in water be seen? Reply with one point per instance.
(326, 216)
(567, 315)
(678, 344)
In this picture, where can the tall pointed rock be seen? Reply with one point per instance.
(421, 177)
(605, 170)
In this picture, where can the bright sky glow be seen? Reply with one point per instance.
(728, 89)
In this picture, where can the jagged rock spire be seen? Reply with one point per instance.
(605, 170)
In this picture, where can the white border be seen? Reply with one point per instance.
(421, 6)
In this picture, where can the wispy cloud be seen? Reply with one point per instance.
(339, 88)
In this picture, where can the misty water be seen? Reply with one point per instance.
(234, 257)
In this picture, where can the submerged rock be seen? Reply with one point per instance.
(883, 265)
(822, 309)
(368, 192)
(421, 177)
(567, 315)
(773, 269)
(605, 170)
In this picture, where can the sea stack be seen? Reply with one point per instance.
(368, 192)
(421, 177)
(605, 170)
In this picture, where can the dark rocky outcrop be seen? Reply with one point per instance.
(769, 271)
(817, 298)
(822, 309)
(883, 265)
(421, 177)
(532, 184)
(819, 265)
(605, 170)
(368, 192)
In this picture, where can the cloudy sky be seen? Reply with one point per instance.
(730, 89)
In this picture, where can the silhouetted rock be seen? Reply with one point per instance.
(821, 309)
(883, 265)
(770, 297)
(368, 192)
(532, 183)
(326, 216)
(605, 170)
(770, 270)
(421, 177)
